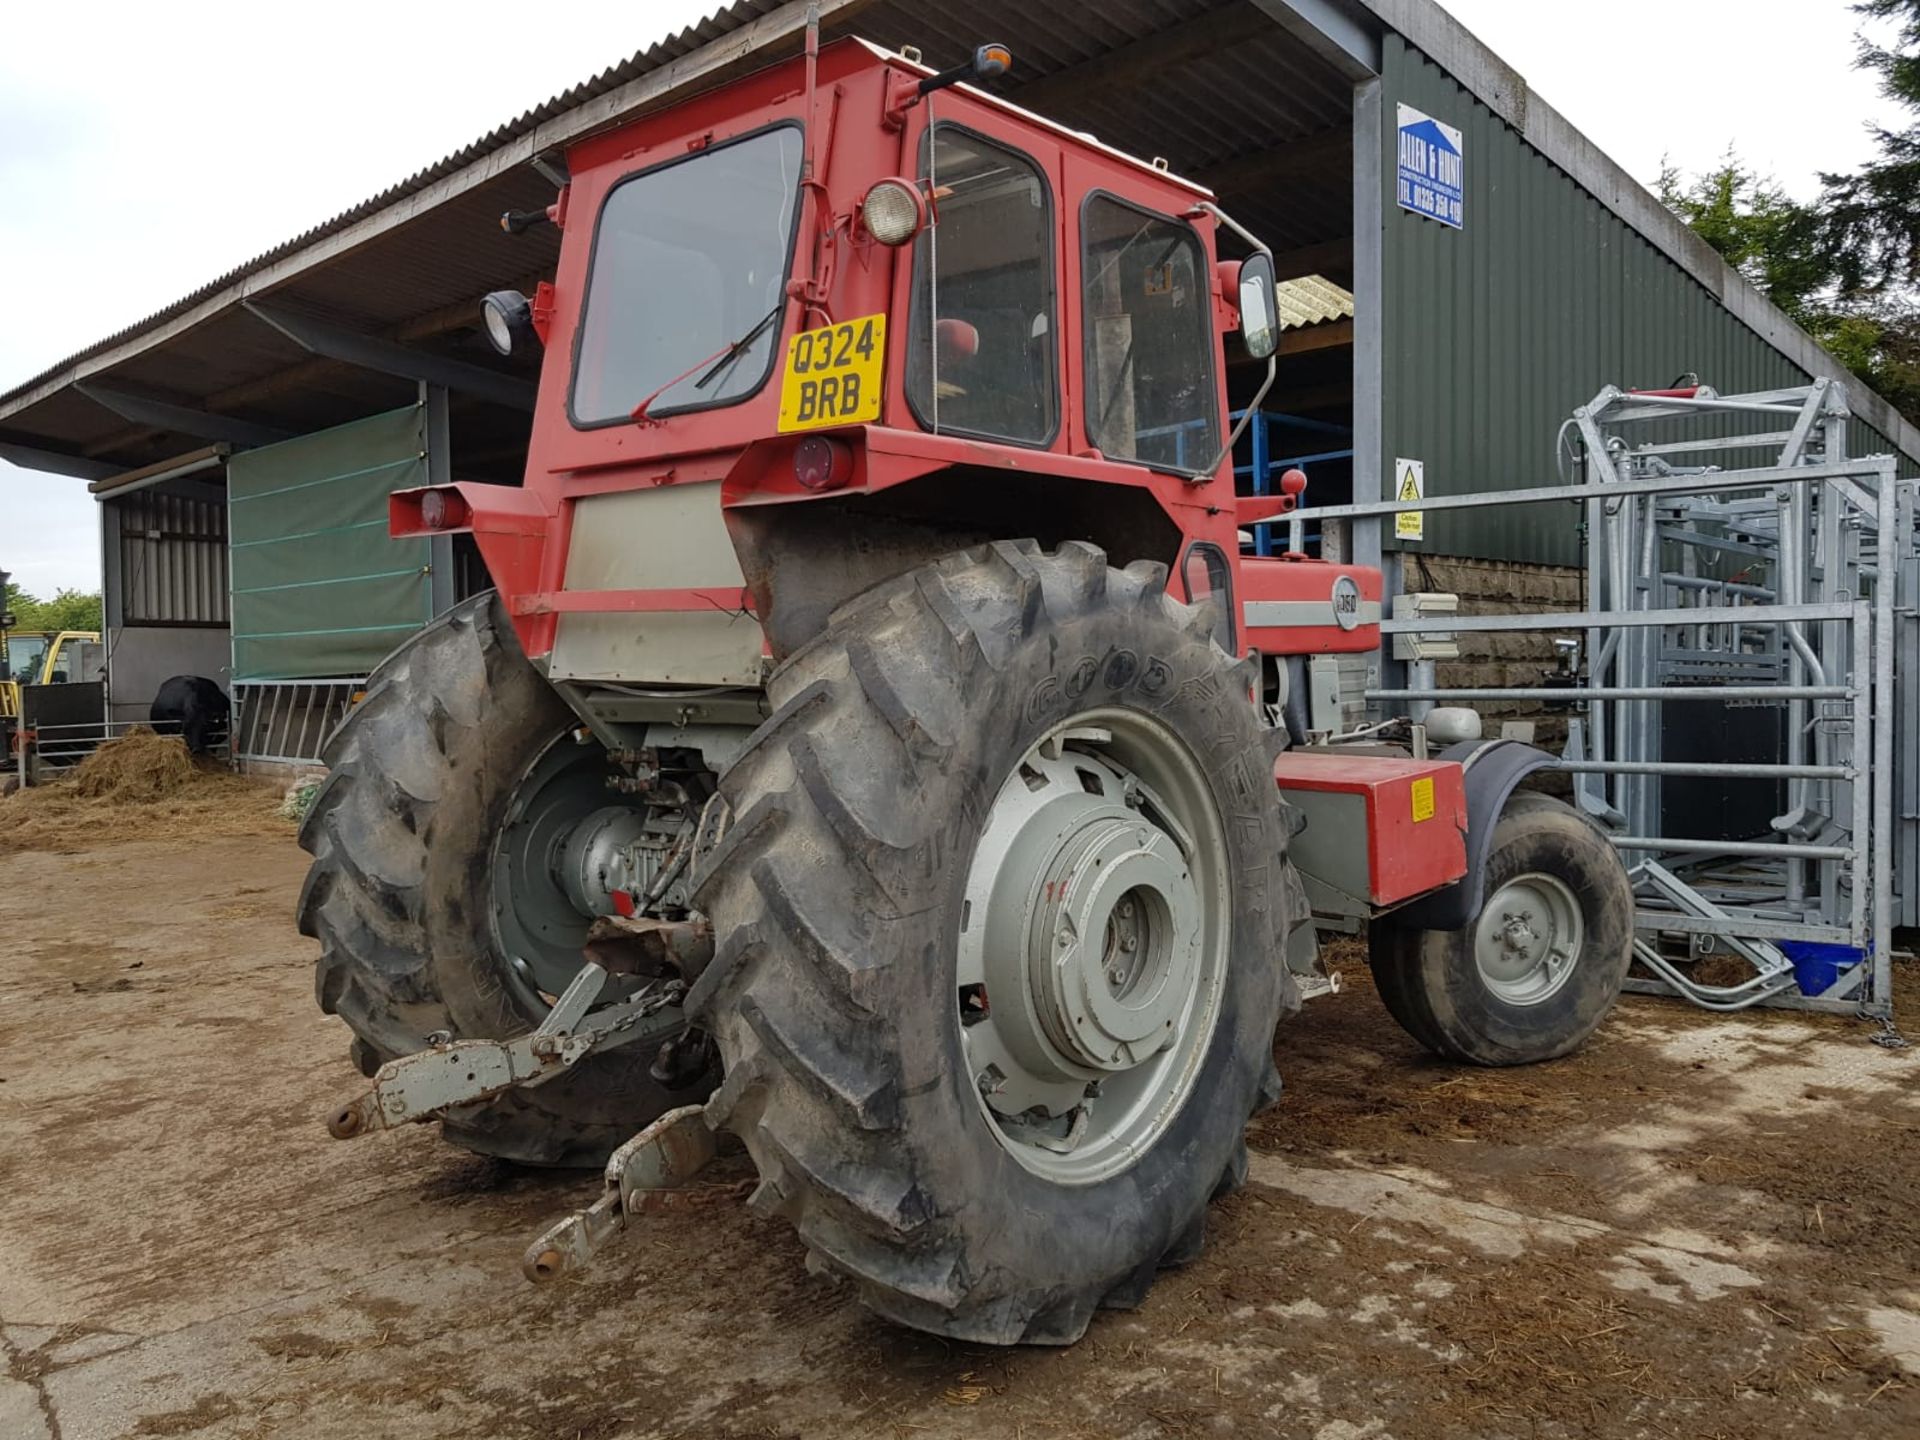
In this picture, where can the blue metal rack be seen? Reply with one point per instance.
(1264, 466)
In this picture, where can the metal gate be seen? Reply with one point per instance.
(1741, 567)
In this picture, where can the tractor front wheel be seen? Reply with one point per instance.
(1002, 911)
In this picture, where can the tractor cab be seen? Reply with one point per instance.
(852, 297)
(44, 657)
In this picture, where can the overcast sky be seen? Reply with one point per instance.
(146, 149)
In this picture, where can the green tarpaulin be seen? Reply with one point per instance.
(319, 589)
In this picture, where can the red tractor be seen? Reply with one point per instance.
(879, 746)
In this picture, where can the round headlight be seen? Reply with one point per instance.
(893, 211)
(508, 318)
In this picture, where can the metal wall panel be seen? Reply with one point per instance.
(173, 559)
(1494, 333)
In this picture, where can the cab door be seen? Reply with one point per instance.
(981, 349)
(1142, 276)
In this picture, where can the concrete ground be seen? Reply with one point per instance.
(1701, 1227)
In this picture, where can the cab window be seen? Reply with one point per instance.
(981, 351)
(66, 663)
(24, 654)
(688, 281)
(1151, 394)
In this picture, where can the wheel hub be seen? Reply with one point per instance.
(601, 855)
(1113, 951)
(1528, 938)
(559, 855)
(1092, 943)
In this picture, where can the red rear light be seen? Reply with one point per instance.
(821, 464)
(444, 510)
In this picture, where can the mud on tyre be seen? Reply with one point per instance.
(404, 897)
(844, 892)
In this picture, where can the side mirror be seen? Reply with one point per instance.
(1259, 311)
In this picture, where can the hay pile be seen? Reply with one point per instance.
(140, 765)
(142, 786)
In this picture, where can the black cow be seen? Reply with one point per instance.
(194, 707)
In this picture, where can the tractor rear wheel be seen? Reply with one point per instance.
(449, 789)
(1002, 912)
(1532, 975)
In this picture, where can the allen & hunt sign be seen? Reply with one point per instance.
(1432, 170)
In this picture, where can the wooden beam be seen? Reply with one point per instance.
(1327, 257)
(1307, 339)
(1255, 170)
(1329, 335)
(1141, 61)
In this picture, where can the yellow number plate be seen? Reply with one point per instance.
(833, 375)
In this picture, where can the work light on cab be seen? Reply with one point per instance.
(893, 211)
(509, 319)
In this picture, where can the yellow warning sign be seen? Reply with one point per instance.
(1423, 799)
(1409, 483)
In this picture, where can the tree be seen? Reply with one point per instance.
(67, 610)
(1781, 246)
(1870, 220)
(1758, 229)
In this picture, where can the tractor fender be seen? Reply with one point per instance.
(1491, 771)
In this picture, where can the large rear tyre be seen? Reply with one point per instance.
(453, 773)
(1002, 914)
(1534, 973)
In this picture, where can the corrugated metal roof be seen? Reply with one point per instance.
(411, 261)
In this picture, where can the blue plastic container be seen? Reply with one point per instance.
(1817, 964)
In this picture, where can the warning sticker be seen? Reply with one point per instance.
(1423, 799)
(1409, 483)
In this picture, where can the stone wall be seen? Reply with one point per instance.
(1512, 658)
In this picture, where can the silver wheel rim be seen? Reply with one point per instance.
(1093, 945)
(1528, 938)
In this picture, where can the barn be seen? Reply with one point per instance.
(1463, 269)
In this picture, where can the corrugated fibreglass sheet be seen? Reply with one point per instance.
(319, 588)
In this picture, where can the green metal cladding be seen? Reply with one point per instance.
(1495, 332)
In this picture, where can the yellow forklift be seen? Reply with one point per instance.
(36, 657)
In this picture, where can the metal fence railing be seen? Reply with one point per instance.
(1734, 727)
(288, 721)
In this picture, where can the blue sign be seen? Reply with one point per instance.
(1431, 168)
